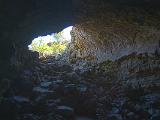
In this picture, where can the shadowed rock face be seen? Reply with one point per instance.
(103, 30)
(114, 60)
(113, 38)
(22, 20)
(113, 31)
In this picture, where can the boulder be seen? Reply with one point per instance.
(46, 84)
(66, 111)
(21, 99)
(41, 90)
(115, 117)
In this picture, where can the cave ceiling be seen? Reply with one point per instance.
(22, 20)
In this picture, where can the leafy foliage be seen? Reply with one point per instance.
(58, 35)
(55, 47)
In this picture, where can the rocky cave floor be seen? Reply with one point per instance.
(55, 90)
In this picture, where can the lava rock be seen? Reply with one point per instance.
(82, 88)
(23, 87)
(41, 90)
(115, 117)
(46, 84)
(66, 68)
(21, 99)
(8, 109)
(66, 111)
(29, 117)
(131, 116)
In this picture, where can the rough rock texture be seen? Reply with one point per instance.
(114, 33)
(126, 38)
(112, 28)
(23, 20)
(132, 70)
(52, 90)
(116, 50)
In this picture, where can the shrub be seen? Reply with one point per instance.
(56, 46)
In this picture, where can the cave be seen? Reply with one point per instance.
(51, 45)
(109, 69)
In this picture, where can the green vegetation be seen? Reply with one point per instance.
(49, 48)
(49, 45)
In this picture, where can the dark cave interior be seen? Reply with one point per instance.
(109, 71)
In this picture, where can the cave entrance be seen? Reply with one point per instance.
(53, 45)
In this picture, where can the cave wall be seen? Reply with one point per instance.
(110, 31)
(103, 29)
(23, 20)
(124, 39)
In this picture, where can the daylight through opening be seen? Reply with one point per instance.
(51, 45)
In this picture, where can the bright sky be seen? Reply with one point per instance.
(66, 33)
(50, 38)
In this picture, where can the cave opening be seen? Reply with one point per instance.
(53, 45)
(107, 69)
